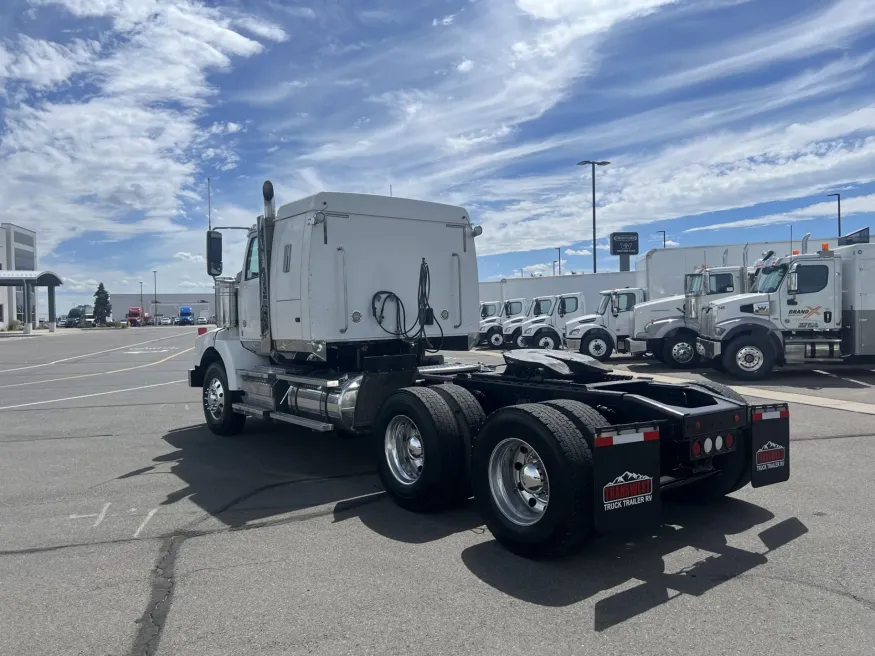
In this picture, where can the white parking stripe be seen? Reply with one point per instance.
(88, 355)
(88, 396)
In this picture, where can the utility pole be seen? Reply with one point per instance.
(559, 250)
(594, 164)
(839, 198)
(554, 267)
(209, 206)
(663, 236)
(155, 299)
(142, 307)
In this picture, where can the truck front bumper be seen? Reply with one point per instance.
(573, 344)
(708, 348)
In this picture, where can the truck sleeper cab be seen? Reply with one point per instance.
(555, 447)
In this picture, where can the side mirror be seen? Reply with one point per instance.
(730, 289)
(615, 305)
(792, 283)
(561, 308)
(483, 313)
(214, 253)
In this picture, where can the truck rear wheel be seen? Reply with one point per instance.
(597, 346)
(421, 456)
(517, 340)
(722, 390)
(749, 357)
(679, 351)
(216, 401)
(495, 339)
(532, 475)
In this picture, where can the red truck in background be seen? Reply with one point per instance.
(135, 316)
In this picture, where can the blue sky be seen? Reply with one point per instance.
(724, 121)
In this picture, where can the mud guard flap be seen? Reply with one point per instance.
(626, 471)
(770, 444)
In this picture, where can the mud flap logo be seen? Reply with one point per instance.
(770, 456)
(627, 490)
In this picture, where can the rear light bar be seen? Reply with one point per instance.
(618, 435)
(713, 445)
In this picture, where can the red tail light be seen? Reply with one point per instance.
(730, 440)
(201, 331)
(696, 448)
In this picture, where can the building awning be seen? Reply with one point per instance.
(13, 278)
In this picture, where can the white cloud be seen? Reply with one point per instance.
(671, 242)
(465, 66)
(189, 257)
(571, 251)
(44, 64)
(445, 21)
(260, 28)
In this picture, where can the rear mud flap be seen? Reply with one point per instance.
(626, 473)
(770, 444)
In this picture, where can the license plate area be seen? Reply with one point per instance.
(770, 444)
(626, 472)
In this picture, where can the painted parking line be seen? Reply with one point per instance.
(88, 396)
(88, 355)
(758, 392)
(98, 373)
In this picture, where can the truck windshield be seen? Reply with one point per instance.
(543, 306)
(770, 278)
(603, 304)
(693, 283)
(488, 310)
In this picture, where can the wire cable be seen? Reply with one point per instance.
(416, 331)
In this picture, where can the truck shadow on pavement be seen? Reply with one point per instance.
(269, 475)
(612, 561)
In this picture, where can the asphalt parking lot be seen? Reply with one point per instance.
(127, 528)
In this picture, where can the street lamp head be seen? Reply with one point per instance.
(839, 195)
(587, 162)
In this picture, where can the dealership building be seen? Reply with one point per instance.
(17, 252)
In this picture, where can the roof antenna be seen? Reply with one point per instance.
(209, 206)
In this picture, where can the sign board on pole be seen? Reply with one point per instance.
(624, 243)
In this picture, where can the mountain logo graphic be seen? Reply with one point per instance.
(770, 455)
(625, 487)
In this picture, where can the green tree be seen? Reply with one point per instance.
(102, 306)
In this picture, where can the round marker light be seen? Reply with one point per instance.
(737, 417)
(697, 449)
(718, 443)
(709, 445)
(698, 425)
(730, 440)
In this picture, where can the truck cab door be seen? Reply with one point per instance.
(570, 307)
(808, 300)
(248, 301)
(621, 313)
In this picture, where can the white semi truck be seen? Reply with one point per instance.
(327, 328)
(808, 309)
(544, 328)
(493, 315)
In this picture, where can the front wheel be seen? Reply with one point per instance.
(679, 351)
(495, 338)
(548, 340)
(749, 357)
(221, 418)
(597, 346)
(518, 340)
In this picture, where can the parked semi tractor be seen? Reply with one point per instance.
(494, 314)
(135, 316)
(312, 334)
(808, 309)
(544, 328)
(186, 316)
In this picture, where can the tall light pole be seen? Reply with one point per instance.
(554, 267)
(559, 251)
(839, 197)
(142, 307)
(155, 299)
(663, 236)
(593, 164)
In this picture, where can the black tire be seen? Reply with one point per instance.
(586, 347)
(466, 409)
(442, 480)
(671, 347)
(515, 338)
(722, 390)
(584, 417)
(549, 336)
(717, 365)
(567, 522)
(495, 338)
(758, 344)
(224, 422)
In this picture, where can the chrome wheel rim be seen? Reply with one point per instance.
(497, 339)
(682, 352)
(597, 347)
(214, 399)
(546, 342)
(405, 452)
(749, 358)
(518, 482)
